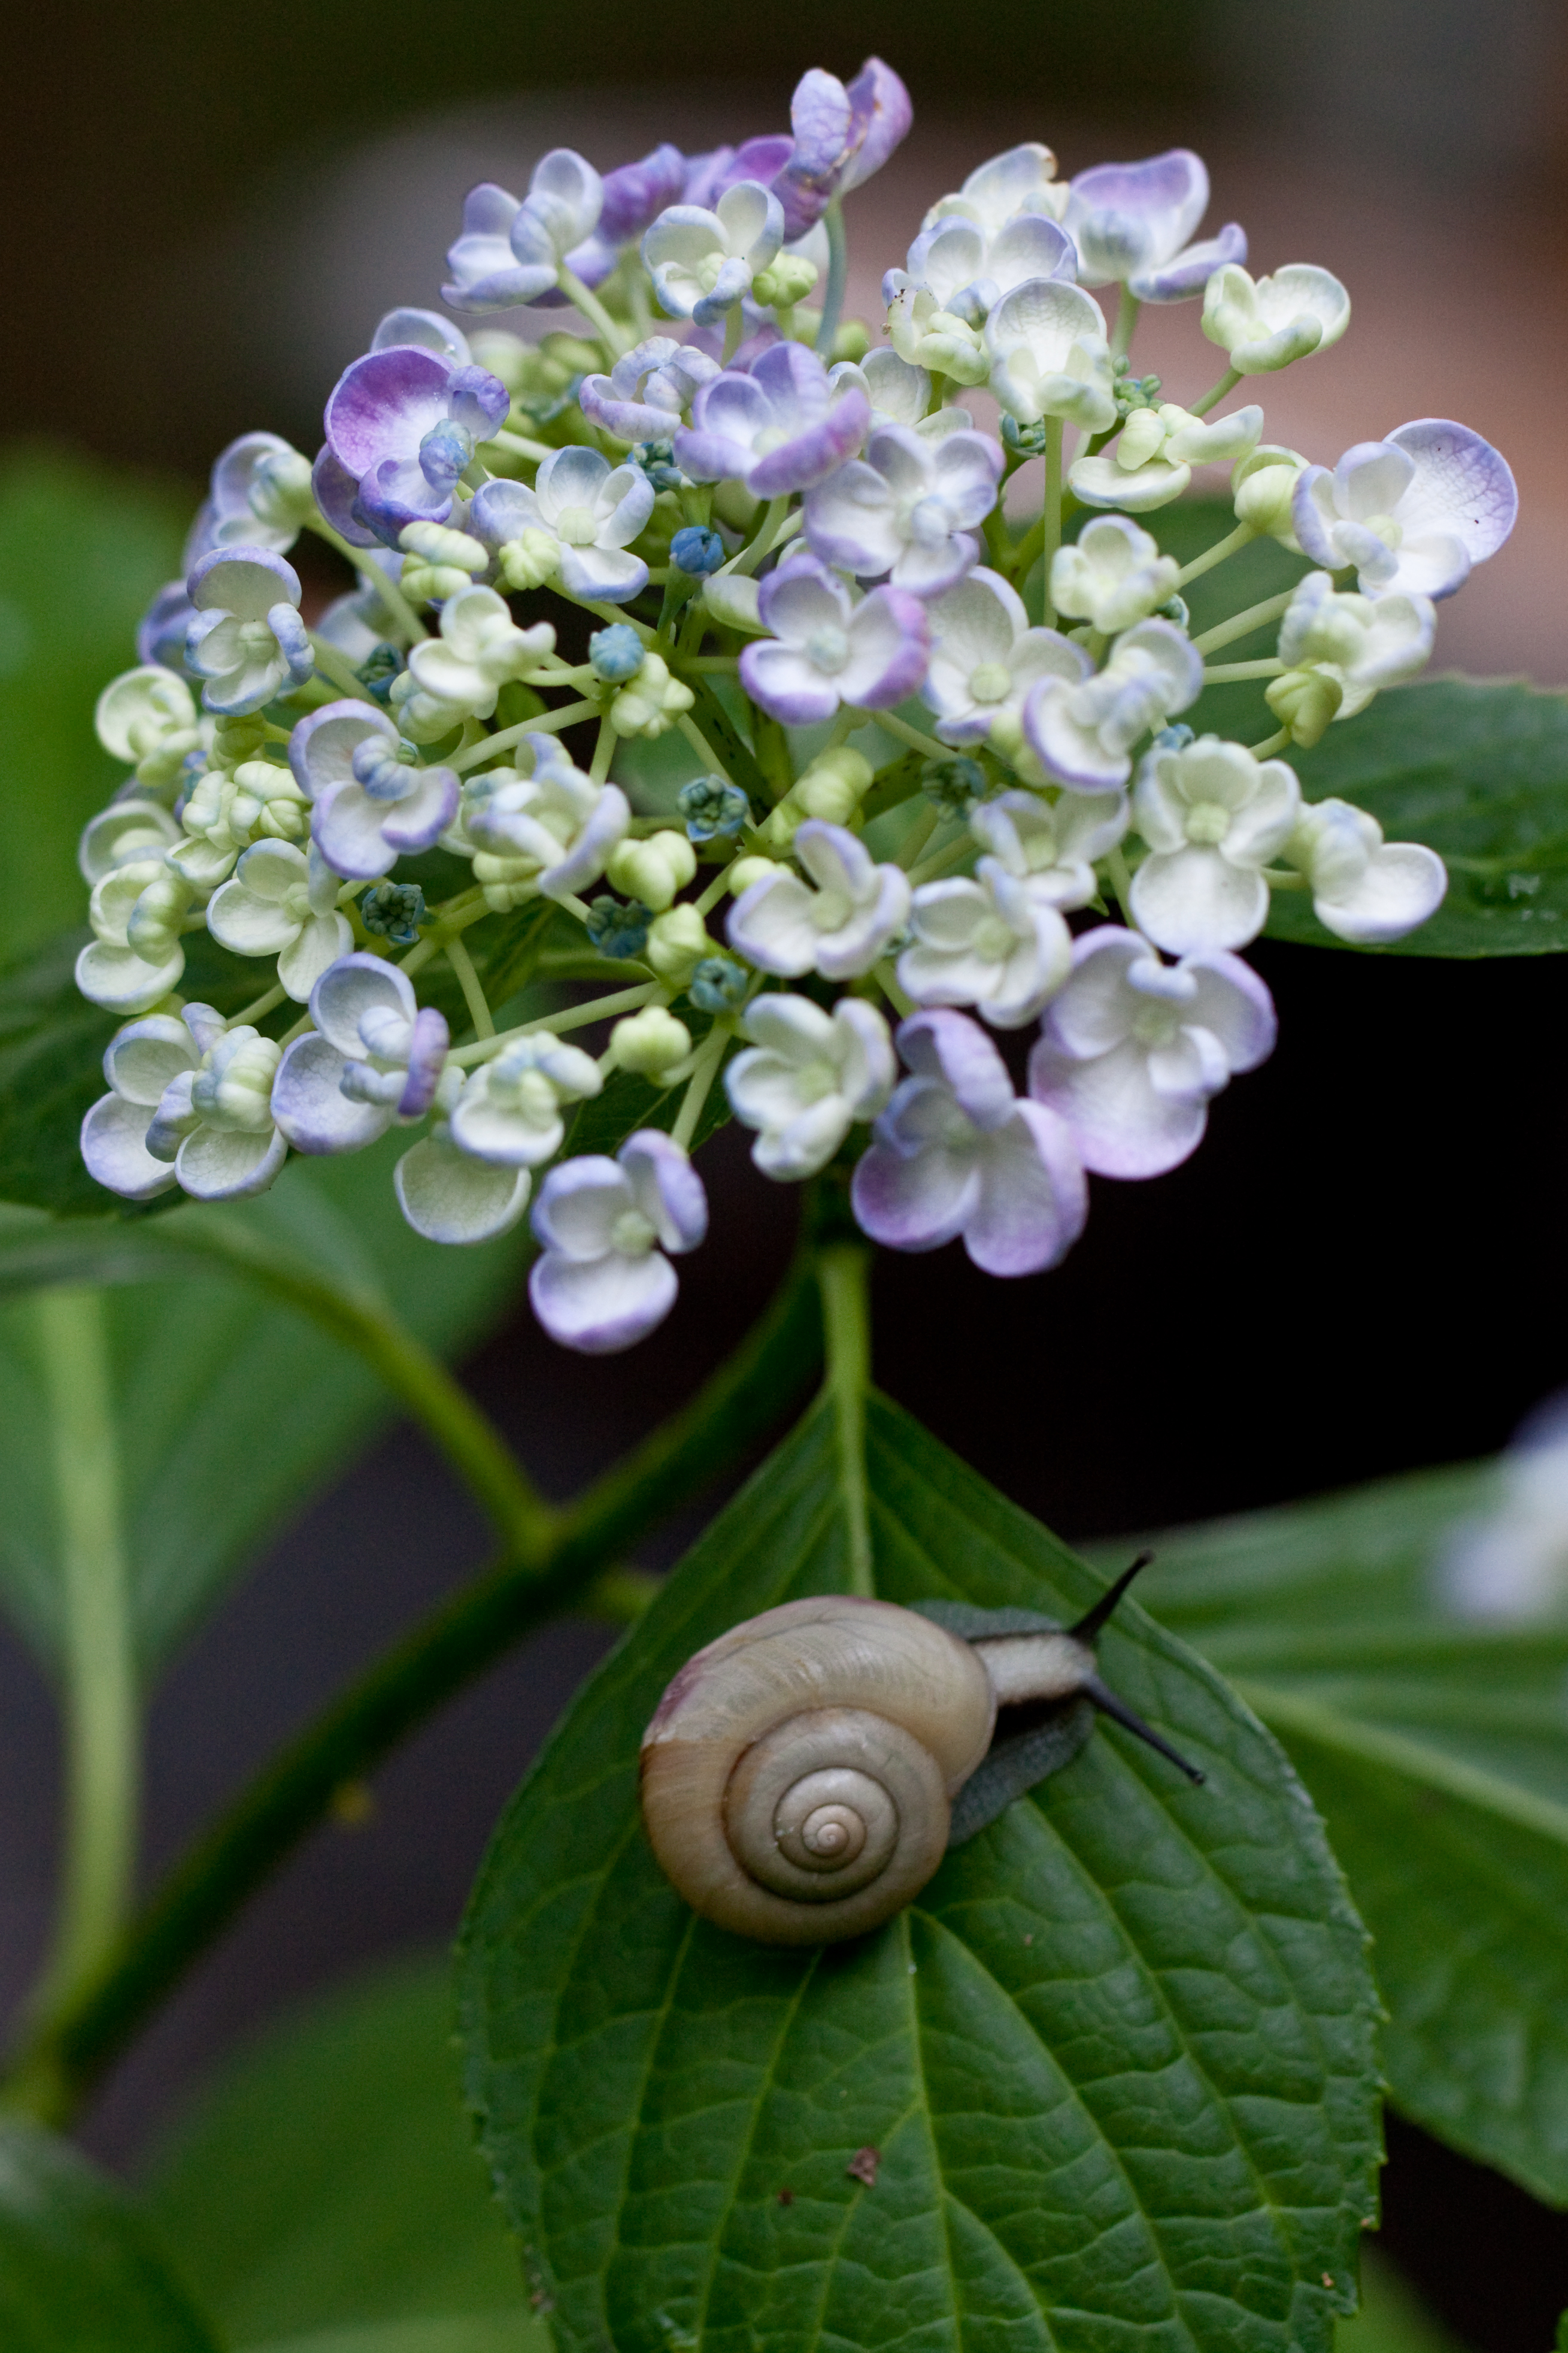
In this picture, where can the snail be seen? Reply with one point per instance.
(803, 1775)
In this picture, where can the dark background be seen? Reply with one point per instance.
(1364, 1268)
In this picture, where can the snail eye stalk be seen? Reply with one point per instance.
(1092, 1620)
(1085, 1631)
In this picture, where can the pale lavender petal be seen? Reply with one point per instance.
(337, 495)
(951, 1046)
(1462, 486)
(913, 1201)
(603, 1305)
(322, 745)
(635, 193)
(427, 1060)
(357, 984)
(245, 581)
(309, 1106)
(666, 1189)
(417, 823)
(784, 684)
(1122, 1125)
(114, 1148)
(889, 641)
(448, 1196)
(579, 1202)
(229, 1165)
(1234, 1005)
(801, 596)
(384, 404)
(1129, 219)
(348, 829)
(1188, 272)
(1033, 1200)
(1195, 900)
(162, 632)
(811, 456)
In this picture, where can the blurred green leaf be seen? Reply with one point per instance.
(80, 2270)
(326, 2179)
(83, 546)
(1393, 2318)
(1436, 1748)
(1115, 2062)
(232, 1410)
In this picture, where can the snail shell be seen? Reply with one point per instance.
(798, 1776)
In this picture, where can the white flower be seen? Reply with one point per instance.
(702, 262)
(1511, 1567)
(985, 657)
(449, 1197)
(1364, 890)
(546, 831)
(899, 393)
(148, 717)
(1021, 180)
(986, 941)
(132, 831)
(1155, 453)
(1133, 1049)
(247, 639)
(510, 1110)
(968, 269)
(807, 1077)
(602, 1281)
(1113, 576)
(191, 1105)
(578, 522)
(840, 928)
(1213, 817)
(1363, 643)
(1082, 734)
(1051, 847)
(1265, 324)
(512, 253)
(925, 336)
(1413, 514)
(1049, 355)
(281, 902)
(113, 971)
(481, 647)
(907, 511)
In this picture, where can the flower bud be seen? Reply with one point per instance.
(156, 921)
(264, 799)
(652, 870)
(677, 944)
(746, 870)
(653, 1043)
(530, 559)
(233, 1089)
(1263, 484)
(1305, 701)
(731, 598)
(1142, 437)
(234, 740)
(791, 277)
(616, 653)
(506, 356)
(834, 786)
(652, 702)
(439, 545)
(281, 491)
(432, 584)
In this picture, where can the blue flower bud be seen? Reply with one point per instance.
(656, 461)
(393, 911)
(616, 654)
(379, 668)
(445, 451)
(718, 985)
(385, 775)
(711, 808)
(1175, 609)
(1173, 739)
(619, 927)
(954, 785)
(697, 550)
(1024, 440)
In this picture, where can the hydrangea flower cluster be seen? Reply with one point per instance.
(920, 774)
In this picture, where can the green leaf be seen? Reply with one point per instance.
(326, 2179)
(474, 2332)
(83, 546)
(1392, 2318)
(1479, 772)
(232, 1410)
(1435, 1749)
(1116, 2062)
(79, 2267)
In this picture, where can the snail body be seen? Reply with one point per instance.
(798, 1776)
(800, 1773)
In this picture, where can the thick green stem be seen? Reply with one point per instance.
(100, 1701)
(842, 1271)
(837, 278)
(372, 577)
(1242, 624)
(615, 338)
(736, 1407)
(546, 723)
(1216, 393)
(1231, 545)
(1121, 334)
(474, 998)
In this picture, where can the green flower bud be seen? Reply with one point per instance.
(157, 919)
(653, 1043)
(530, 559)
(1263, 485)
(1306, 702)
(677, 944)
(652, 870)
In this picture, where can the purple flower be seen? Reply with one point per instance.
(427, 327)
(162, 631)
(635, 195)
(1082, 734)
(511, 252)
(957, 1153)
(826, 650)
(647, 392)
(401, 426)
(370, 806)
(841, 137)
(708, 176)
(246, 638)
(1413, 513)
(373, 1058)
(908, 510)
(702, 263)
(581, 514)
(258, 497)
(782, 426)
(603, 1281)
(1132, 222)
(1133, 1049)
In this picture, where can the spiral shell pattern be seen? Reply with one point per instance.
(798, 1774)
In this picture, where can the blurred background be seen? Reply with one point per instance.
(1364, 1269)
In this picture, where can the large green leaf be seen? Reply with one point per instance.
(1392, 2318)
(483, 2332)
(83, 548)
(326, 2179)
(1116, 2062)
(231, 1409)
(79, 2271)
(1437, 1750)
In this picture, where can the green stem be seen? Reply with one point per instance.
(521, 446)
(1052, 516)
(100, 1701)
(734, 1409)
(838, 276)
(775, 516)
(1121, 334)
(575, 1017)
(584, 300)
(546, 723)
(1270, 745)
(1121, 883)
(261, 1005)
(1241, 625)
(700, 744)
(1234, 673)
(1231, 545)
(709, 1054)
(923, 824)
(372, 577)
(474, 998)
(734, 325)
(908, 734)
(337, 667)
(842, 1271)
(1216, 393)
